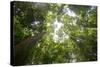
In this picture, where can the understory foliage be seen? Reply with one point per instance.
(70, 33)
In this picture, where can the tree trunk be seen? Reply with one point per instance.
(22, 49)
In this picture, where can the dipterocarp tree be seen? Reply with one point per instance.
(54, 33)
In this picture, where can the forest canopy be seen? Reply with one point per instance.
(46, 33)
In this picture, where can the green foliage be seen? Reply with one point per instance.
(75, 40)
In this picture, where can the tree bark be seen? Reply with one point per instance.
(22, 49)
